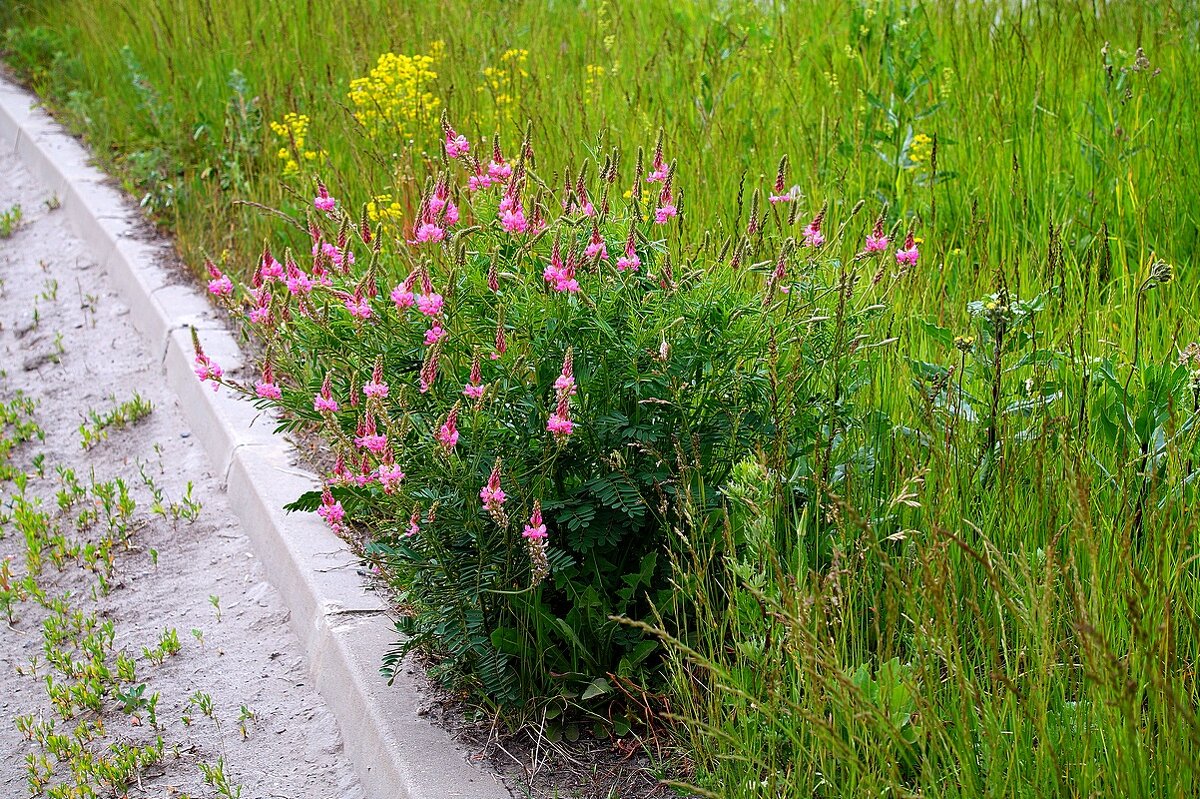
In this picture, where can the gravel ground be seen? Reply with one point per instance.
(79, 353)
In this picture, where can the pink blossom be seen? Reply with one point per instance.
(875, 243)
(447, 434)
(813, 237)
(403, 297)
(334, 254)
(390, 476)
(474, 388)
(910, 253)
(560, 275)
(430, 304)
(414, 523)
(297, 281)
(324, 402)
(208, 369)
(451, 214)
(564, 384)
(559, 423)
(666, 206)
(323, 202)
(561, 426)
(434, 334)
(359, 307)
(428, 231)
(341, 475)
(374, 389)
(331, 511)
(536, 529)
(658, 167)
(456, 144)
(491, 494)
(221, 286)
(376, 443)
(597, 247)
(514, 221)
(271, 269)
(267, 390)
(499, 171)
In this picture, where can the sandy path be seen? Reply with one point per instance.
(81, 358)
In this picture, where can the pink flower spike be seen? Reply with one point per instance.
(324, 401)
(491, 494)
(876, 240)
(564, 384)
(267, 388)
(323, 202)
(456, 144)
(428, 232)
(331, 511)
(514, 221)
(271, 269)
(375, 443)
(390, 476)
(359, 307)
(561, 426)
(435, 334)
(206, 368)
(536, 529)
(220, 285)
(447, 434)
(559, 423)
(430, 304)
(910, 253)
(403, 297)
(597, 247)
(813, 237)
(414, 523)
(474, 388)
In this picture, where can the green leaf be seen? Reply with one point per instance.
(597, 687)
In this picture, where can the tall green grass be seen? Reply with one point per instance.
(1006, 604)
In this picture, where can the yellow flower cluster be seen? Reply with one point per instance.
(394, 97)
(920, 149)
(504, 81)
(292, 130)
(593, 83)
(382, 206)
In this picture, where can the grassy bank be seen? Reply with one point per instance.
(958, 555)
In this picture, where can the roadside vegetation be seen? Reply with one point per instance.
(820, 383)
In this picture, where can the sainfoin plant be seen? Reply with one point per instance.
(528, 392)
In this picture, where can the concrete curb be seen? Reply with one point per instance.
(343, 628)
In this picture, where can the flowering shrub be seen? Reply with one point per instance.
(528, 393)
